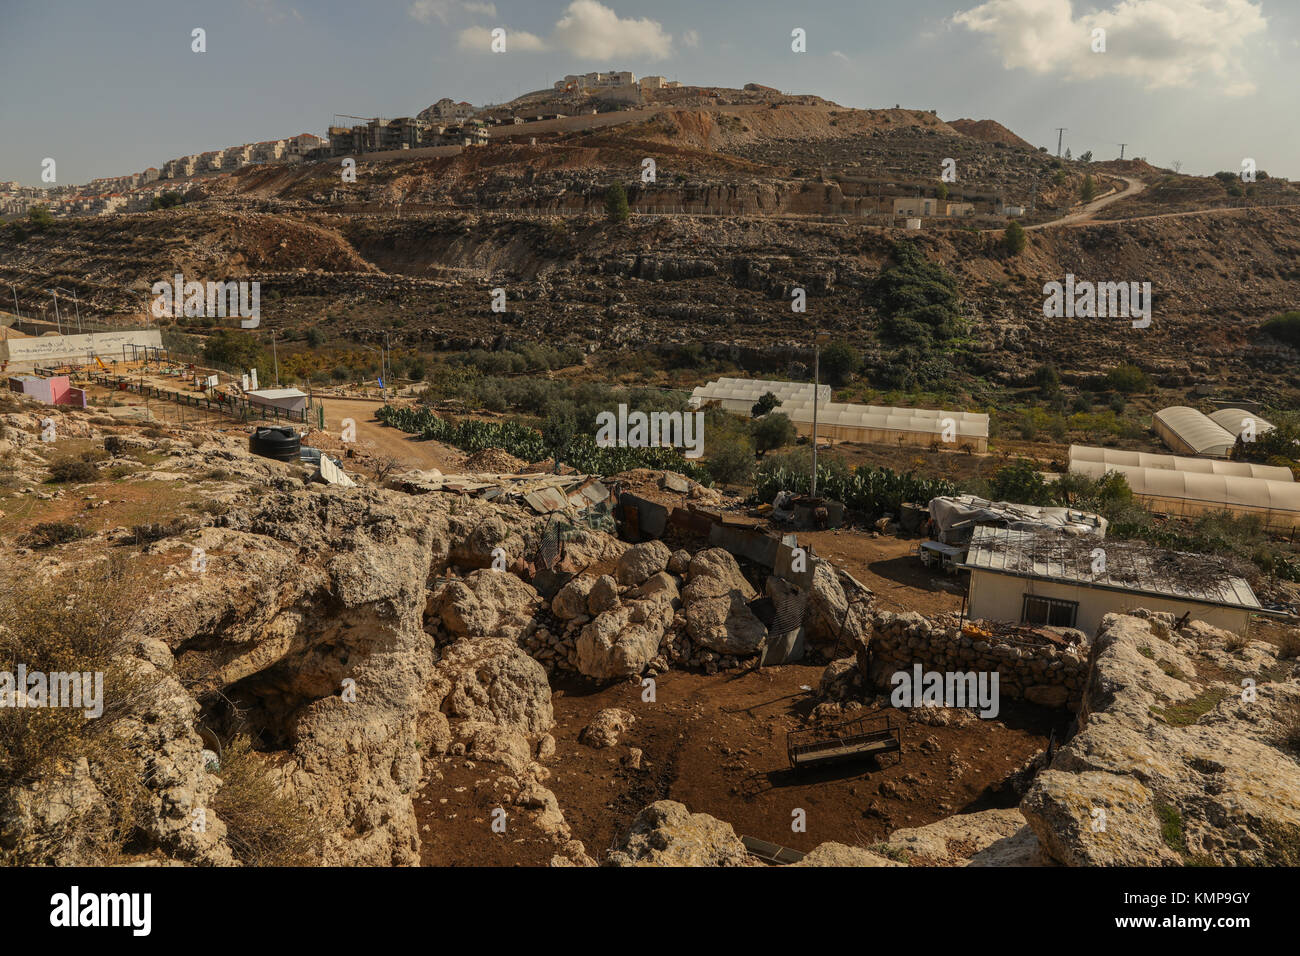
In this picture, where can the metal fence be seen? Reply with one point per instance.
(233, 407)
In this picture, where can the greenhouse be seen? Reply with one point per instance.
(1189, 432)
(739, 395)
(1206, 466)
(1233, 421)
(1276, 503)
(838, 421)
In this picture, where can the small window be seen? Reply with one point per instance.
(1048, 611)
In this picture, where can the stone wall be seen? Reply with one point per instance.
(1046, 674)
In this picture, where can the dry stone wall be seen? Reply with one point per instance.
(1042, 674)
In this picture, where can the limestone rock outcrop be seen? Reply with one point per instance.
(667, 834)
(716, 597)
(1175, 760)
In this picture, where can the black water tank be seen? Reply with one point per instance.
(280, 443)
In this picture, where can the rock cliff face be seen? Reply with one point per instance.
(307, 631)
(1187, 751)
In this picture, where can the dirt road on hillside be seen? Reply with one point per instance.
(1085, 214)
(407, 449)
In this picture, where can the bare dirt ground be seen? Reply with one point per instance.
(407, 449)
(717, 744)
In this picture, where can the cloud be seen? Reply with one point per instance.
(479, 40)
(271, 11)
(1159, 43)
(591, 29)
(691, 38)
(587, 29)
(426, 11)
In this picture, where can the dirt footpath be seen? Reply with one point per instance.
(379, 439)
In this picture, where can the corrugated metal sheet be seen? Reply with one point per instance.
(1025, 554)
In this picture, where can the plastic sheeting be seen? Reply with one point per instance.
(1190, 432)
(1209, 466)
(955, 519)
(1277, 503)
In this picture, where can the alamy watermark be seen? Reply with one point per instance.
(683, 430)
(1098, 300)
(922, 688)
(70, 689)
(212, 300)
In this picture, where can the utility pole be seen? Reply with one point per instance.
(276, 357)
(14, 289)
(1060, 133)
(1121, 150)
(58, 321)
(818, 339)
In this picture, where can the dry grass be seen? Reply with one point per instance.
(78, 622)
(263, 827)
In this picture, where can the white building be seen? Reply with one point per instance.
(285, 399)
(1046, 579)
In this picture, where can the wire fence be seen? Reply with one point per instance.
(235, 408)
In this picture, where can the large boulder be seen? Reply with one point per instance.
(622, 641)
(492, 681)
(488, 603)
(837, 854)
(641, 561)
(714, 572)
(667, 834)
(717, 611)
(983, 838)
(571, 600)
(832, 617)
(603, 595)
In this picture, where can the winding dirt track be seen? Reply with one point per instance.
(1085, 214)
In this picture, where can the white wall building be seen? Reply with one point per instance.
(1029, 578)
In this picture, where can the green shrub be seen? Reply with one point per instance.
(1127, 379)
(839, 361)
(1020, 483)
(616, 203)
(72, 469)
(1014, 238)
(765, 404)
(49, 533)
(772, 431)
(1285, 328)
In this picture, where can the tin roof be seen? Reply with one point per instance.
(1136, 570)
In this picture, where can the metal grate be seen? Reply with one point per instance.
(549, 550)
(789, 613)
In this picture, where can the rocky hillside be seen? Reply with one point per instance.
(311, 669)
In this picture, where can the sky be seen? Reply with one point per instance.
(106, 88)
